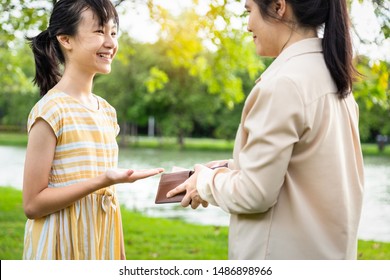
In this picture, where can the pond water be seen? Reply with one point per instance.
(139, 196)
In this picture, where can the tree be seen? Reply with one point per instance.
(195, 77)
(207, 57)
(210, 46)
(382, 11)
(125, 87)
(20, 16)
(373, 96)
(180, 99)
(17, 93)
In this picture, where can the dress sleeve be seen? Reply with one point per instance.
(50, 112)
(273, 122)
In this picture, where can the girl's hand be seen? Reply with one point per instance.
(117, 176)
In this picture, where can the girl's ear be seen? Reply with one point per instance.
(64, 41)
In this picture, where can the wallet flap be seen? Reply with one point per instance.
(169, 181)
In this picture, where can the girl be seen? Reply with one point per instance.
(71, 159)
(294, 187)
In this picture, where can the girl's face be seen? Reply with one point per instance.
(94, 46)
(265, 32)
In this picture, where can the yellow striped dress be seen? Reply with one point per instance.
(86, 146)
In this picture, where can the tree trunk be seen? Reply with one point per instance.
(180, 139)
(123, 134)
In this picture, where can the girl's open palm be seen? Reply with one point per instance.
(117, 175)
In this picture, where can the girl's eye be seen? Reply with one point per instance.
(100, 31)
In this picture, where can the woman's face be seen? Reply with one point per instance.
(94, 46)
(265, 32)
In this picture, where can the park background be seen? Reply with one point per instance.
(178, 83)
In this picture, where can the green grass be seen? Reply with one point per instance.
(20, 139)
(13, 139)
(148, 238)
(205, 144)
(153, 238)
(162, 239)
(12, 221)
(372, 250)
(370, 149)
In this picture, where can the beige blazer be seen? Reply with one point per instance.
(294, 187)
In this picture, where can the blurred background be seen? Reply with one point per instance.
(184, 67)
(181, 76)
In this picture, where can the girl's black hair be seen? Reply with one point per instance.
(336, 43)
(64, 20)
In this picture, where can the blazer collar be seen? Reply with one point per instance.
(301, 47)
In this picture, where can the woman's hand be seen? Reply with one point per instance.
(217, 163)
(192, 196)
(117, 175)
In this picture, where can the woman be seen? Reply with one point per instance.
(72, 153)
(294, 187)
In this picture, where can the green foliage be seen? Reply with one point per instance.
(125, 86)
(17, 93)
(373, 96)
(205, 144)
(206, 66)
(157, 80)
(382, 10)
(193, 80)
(212, 49)
(20, 16)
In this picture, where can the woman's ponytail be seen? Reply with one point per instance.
(47, 57)
(337, 46)
(336, 43)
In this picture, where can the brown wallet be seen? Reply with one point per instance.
(169, 181)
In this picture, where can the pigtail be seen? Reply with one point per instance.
(46, 54)
(63, 21)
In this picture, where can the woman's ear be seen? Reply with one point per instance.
(64, 41)
(280, 8)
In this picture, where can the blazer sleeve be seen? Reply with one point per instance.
(272, 125)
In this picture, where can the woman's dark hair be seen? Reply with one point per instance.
(336, 43)
(64, 20)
